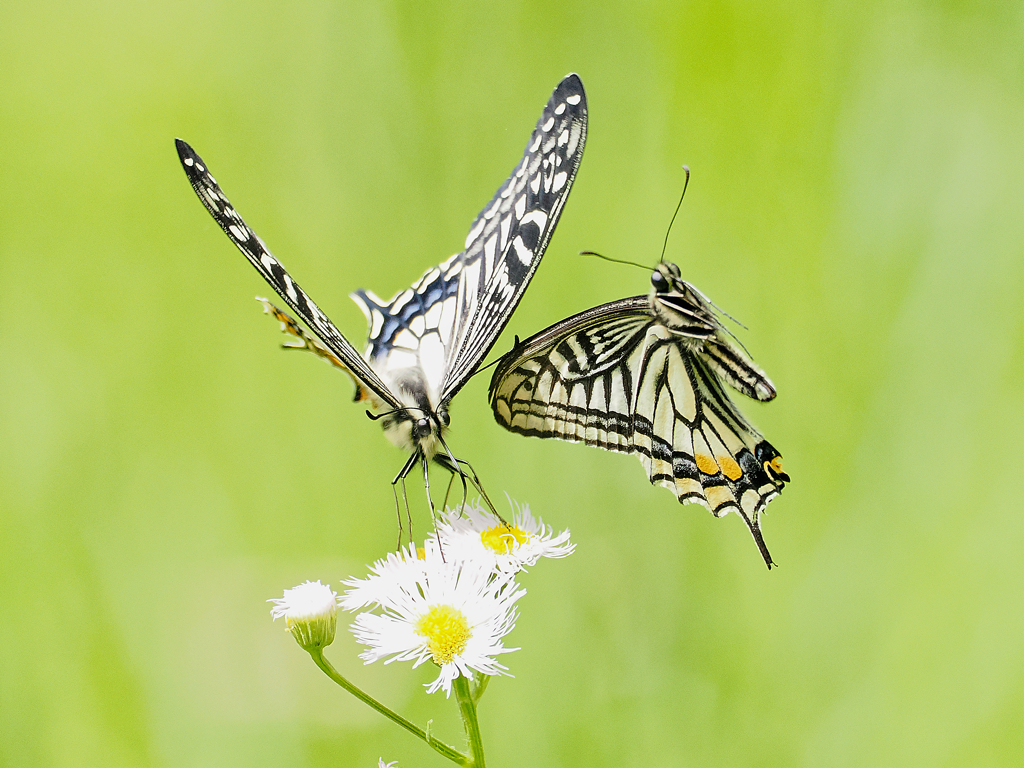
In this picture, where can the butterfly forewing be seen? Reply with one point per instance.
(249, 243)
(451, 317)
(508, 237)
(618, 377)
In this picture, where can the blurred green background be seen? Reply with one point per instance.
(856, 201)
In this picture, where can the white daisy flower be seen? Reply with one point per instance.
(396, 567)
(476, 533)
(310, 612)
(436, 609)
(382, 764)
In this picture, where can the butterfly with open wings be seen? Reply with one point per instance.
(644, 375)
(428, 340)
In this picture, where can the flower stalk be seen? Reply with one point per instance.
(439, 746)
(467, 708)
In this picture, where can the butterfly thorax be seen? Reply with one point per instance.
(419, 425)
(680, 307)
(408, 348)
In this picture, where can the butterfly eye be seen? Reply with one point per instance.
(421, 429)
(658, 281)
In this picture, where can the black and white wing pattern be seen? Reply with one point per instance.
(469, 298)
(427, 341)
(645, 375)
(249, 243)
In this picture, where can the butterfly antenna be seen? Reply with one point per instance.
(678, 206)
(615, 261)
(717, 308)
(377, 416)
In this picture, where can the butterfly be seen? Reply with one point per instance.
(645, 375)
(428, 340)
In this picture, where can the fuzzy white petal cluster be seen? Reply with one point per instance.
(452, 601)
(476, 533)
(435, 608)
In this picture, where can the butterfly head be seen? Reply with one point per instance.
(679, 306)
(420, 428)
(418, 425)
(666, 278)
(416, 429)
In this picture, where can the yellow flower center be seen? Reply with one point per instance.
(446, 630)
(502, 538)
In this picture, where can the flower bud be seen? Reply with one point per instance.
(310, 612)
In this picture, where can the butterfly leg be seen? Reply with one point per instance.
(302, 339)
(400, 478)
(449, 462)
(456, 472)
(447, 493)
(483, 494)
(426, 483)
(433, 512)
(454, 466)
(398, 513)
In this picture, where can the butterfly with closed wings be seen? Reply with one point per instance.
(644, 375)
(428, 340)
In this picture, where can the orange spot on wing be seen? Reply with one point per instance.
(706, 464)
(730, 467)
(774, 469)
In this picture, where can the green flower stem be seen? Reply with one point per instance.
(467, 706)
(439, 746)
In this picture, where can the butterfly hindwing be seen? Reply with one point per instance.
(692, 437)
(573, 381)
(414, 329)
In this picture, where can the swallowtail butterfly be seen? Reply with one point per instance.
(645, 375)
(426, 342)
